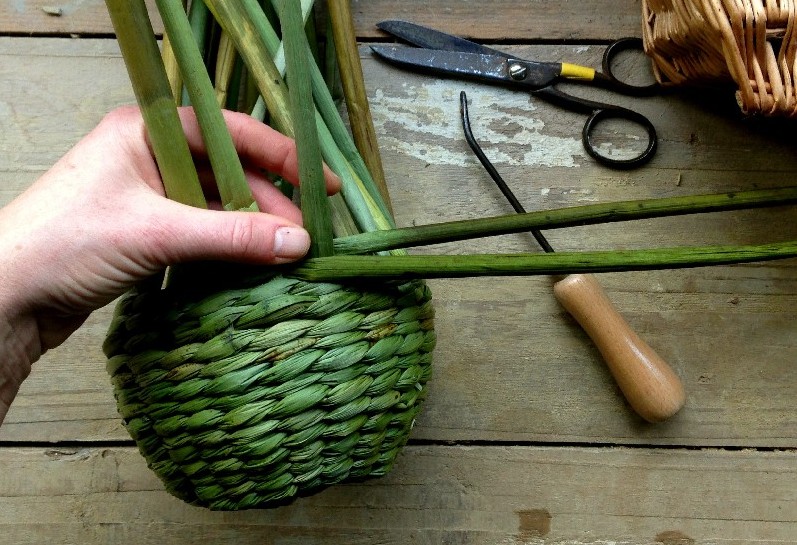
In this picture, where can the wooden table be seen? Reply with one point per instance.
(524, 437)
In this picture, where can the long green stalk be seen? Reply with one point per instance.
(348, 149)
(334, 124)
(172, 70)
(200, 20)
(226, 58)
(279, 57)
(564, 217)
(332, 75)
(343, 222)
(230, 178)
(240, 26)
(351, 74)
(153, 94)
(250, 29)
(315, 208)
(357, 267)
(201, 26)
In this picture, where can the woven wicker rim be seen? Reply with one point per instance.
(752, 43)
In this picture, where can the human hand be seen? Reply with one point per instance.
(97, 223)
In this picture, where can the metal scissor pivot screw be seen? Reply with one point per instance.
(517, 71)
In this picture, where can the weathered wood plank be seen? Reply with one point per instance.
(509, 20)
(67, 17)
(510, 365)
(56, 91)
(483, 495)
(505, 20)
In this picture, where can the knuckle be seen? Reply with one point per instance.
(246, 239)
(122, 114)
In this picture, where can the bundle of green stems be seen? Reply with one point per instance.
(235, 54)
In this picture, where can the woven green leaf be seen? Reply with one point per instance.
(265, 410)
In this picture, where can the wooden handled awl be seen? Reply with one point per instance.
(649, 384)
(652, 388)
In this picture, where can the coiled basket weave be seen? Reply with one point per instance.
(256, 394)
(752, 43)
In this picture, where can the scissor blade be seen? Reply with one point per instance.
(429, 38)
(489, 68)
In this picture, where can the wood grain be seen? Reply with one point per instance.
(506, 19)
(510, 364)
(509, 20)
(486, 495)
(728, 331)
(77, 17)
(648, 383)
(513, 372)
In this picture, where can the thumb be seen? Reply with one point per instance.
(193, 234)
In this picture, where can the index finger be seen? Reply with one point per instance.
(257, 144)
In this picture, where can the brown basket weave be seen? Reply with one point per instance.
(750, 42)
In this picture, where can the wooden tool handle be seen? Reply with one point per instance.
(649, 384)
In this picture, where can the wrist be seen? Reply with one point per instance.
(19, 348)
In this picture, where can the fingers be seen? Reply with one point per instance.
(248, 237)
(258, 145)
(271, 200)
(187, 234)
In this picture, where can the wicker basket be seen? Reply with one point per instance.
(749, 42)
(256, 394)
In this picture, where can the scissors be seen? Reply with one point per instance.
(441, 53)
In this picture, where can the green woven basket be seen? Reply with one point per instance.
(256, 394)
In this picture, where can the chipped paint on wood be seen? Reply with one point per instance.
(423, 122)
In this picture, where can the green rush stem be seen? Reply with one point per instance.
(253, 36)
(312, 190)
(333, 125)
(153, 94)
(564, 217)
(201, 22)
(332, 75)
(172, 70)
(340, 150)
(343, 267)
(340, 134)
(225, 71)
(351, 73)
(241, 21)
(279, 57)
(229, 174)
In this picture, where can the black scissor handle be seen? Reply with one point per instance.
(607, 78)
(615, 112)
(598, 112)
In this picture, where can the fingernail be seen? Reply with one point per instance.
(291, 242)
